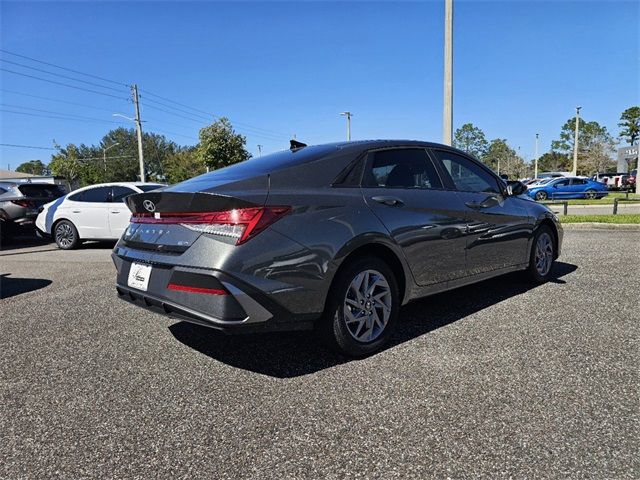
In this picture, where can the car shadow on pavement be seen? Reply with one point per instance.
(292, 354)
(10, 286)
(23, 241)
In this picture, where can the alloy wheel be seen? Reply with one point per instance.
(367, 306)
(64, 235)
(544, 254)
(590, 194)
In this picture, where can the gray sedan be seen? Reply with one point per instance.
(330, 237)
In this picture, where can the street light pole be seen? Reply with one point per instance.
(348, 115)
(574, 172)
(104, 154)
(447, 115)
(259, 150)
(535, 174)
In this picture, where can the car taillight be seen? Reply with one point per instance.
(23, 203)
(240, 223)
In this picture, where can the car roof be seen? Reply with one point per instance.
(115, 184)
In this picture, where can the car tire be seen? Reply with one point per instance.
(542, 257)
(66, 235)
(357, 323)
(591, 194)
(541, 196)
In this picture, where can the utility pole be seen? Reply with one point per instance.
(447, 116)
(259, 150)
(535, 161)
(134, 92)
(348, 115)
(574, 172)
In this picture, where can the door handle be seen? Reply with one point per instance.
(474, 205)
(115, 211)
(390, 201)
(75, 211)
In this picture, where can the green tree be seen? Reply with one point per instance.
(630, 123)
(553, 161)
(183, 165)
(33, 167)
(471, 139)
(66, 163)
(220, 145)
(594, 144)
(504, 159)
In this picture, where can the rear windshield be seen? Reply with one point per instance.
(148, 188)
(40, 190)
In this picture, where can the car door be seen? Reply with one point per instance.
(498, 226)
(88, 210)
(404, 190)
(119, 213)
(577, 187)
(559, 189)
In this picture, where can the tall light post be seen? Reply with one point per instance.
(574, 172)
(348, 115)
(535, 173)
(140, 155)
(259, 150)
(447, 112)
(104, 154)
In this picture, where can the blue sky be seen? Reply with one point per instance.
(278, 69)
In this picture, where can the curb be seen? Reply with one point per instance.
(629, 227)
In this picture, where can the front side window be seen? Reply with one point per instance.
(562, 183)
(578, 181)
(401, 168)
(466, 175)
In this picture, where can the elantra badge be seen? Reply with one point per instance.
(149, 205)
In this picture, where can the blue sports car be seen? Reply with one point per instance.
(567, 187)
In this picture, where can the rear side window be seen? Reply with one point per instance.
(148, 188)
(561, 183)
(401, 168)
(578, 181)
(119, 193)
(466, 175)
(48, 191)
(94, 195)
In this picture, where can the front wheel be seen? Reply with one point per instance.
(362, 308)
(541, 195)
(542, 256)
(590, 194)
(66, 235)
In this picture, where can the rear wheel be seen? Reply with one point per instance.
(542, 256)
(541, 195)
(590, 194)
(66, 235)
(362, 308)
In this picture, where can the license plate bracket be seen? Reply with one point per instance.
(139, 275)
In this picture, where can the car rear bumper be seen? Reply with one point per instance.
(241, 309)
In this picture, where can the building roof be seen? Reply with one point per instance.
(12, 174)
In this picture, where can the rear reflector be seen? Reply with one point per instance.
(186, 288)
(241, 223)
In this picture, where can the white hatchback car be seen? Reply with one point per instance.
(97, 212)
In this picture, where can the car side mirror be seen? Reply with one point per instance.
(515, 188)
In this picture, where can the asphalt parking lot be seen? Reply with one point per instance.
(498, 380)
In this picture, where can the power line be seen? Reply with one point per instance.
(63, 68)
(60, 75)
(25, 146)
(209, 115)
(64, 84)
(58, 117)
(56, 100)
(82, 117)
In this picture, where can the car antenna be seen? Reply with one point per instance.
(296, 144)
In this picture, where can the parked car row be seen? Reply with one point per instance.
(20, 203)
(97, 212)
(566, 188)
